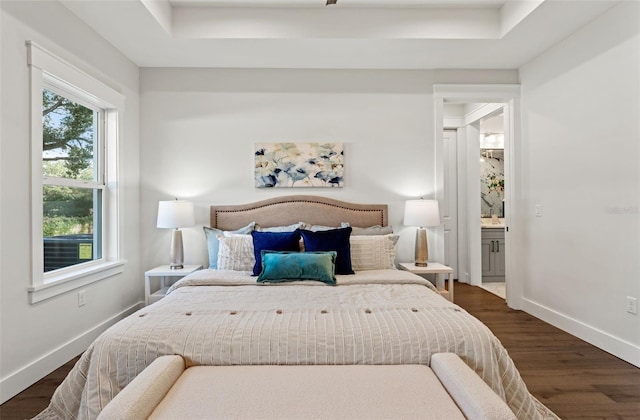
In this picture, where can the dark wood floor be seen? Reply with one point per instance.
(36, 398)
(573, 378)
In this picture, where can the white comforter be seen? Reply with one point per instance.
(225, 318)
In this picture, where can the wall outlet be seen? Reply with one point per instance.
(632, 305)
(538, 210)
(82, 298)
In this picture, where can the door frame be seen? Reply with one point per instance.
(509, 95)
(449, 205)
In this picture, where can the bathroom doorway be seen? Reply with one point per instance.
(492, 203)
(474, 103)
(480, 127)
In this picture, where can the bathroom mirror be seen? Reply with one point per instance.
(492, 182)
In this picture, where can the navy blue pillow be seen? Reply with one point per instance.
(331, 240)
(273, 241)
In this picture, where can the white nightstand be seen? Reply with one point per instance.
(165, 273)
(437, 269)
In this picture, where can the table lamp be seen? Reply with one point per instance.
(421, 213)
(174, 215)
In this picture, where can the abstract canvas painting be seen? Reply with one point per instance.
(290, 165)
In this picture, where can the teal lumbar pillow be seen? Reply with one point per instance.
(282, 266)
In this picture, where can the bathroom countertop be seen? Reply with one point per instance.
(487, 223)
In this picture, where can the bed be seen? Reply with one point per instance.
(227, 316)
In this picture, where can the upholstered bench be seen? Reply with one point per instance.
(447, 390)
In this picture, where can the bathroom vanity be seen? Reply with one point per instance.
(493, 261)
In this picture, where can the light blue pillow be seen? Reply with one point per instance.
(282, 266)
(213, 244)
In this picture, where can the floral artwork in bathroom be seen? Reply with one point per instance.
(491, 182)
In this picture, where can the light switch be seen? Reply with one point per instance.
(538, 210)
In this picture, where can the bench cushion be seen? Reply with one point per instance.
(319, 392)
(447, 390)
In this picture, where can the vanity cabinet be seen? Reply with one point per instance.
(493, 254)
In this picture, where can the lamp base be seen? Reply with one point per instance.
(177, 251)
(422, 251)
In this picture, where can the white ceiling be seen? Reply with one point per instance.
(364, 34)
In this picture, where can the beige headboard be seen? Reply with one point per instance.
(286, 210)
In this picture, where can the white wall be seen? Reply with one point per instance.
(199, 126)
(580, 154)
(35, 339)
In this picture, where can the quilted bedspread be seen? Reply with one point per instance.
(225, 318)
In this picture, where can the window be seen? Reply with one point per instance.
(73, 181)
(74, 135)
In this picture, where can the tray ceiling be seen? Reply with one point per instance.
(352, 34)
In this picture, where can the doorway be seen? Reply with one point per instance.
(492, 203)
(481, 127)
(489, 100)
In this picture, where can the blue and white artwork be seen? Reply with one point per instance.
(290, 165)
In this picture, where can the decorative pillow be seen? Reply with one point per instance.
(373, 252)
(236, 253)
(372, 230)
(273, 241)
(331, 240)
(318, 228)
(284, 266)
(290, 228)
(213, 236)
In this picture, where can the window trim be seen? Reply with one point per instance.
(46, 69)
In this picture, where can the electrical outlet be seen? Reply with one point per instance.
(538, 210)
(632, 305)
(82, 298)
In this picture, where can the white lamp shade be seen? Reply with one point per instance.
(423, 213)
(175, 214)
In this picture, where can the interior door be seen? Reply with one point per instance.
(450, 200)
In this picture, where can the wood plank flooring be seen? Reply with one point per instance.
(573, 378)
(36, 398)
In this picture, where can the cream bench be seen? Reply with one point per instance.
(448, 389)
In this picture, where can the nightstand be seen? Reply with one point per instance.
(437, 269)
(167, 278)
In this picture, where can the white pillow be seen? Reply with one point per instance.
(236, 253)
(373, 252)
(289, 228)
(320, 228)
(372, 230)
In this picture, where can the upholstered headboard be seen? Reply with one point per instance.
(292, 209)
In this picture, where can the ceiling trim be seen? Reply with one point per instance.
(162, 12)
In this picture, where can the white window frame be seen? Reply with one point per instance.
(50, 72)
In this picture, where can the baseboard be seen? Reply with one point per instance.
(622, 349)
(26, 376)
